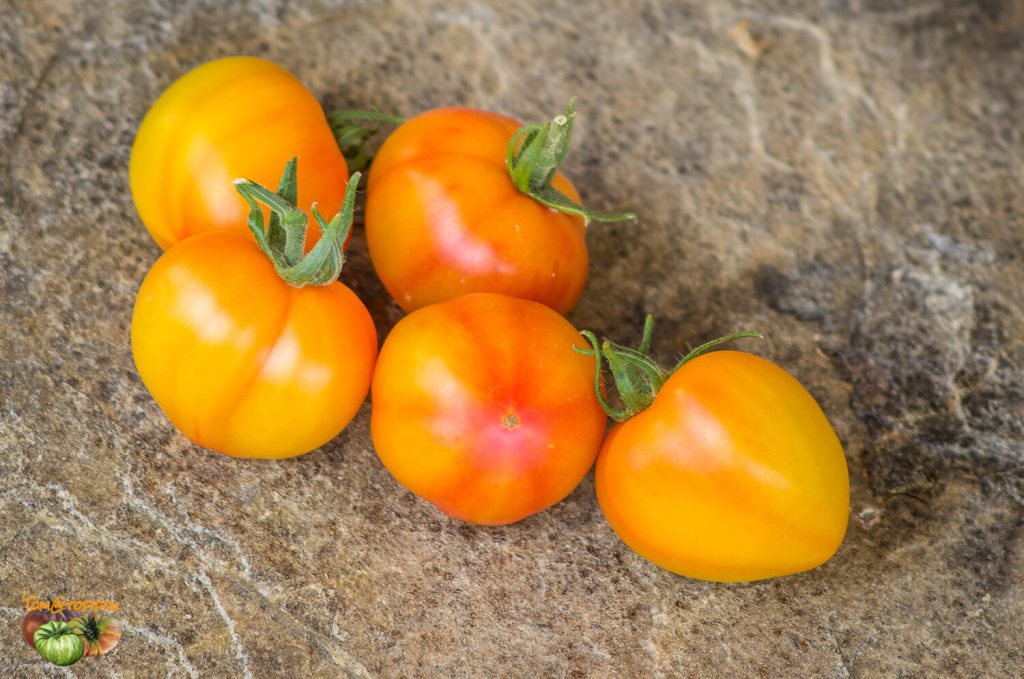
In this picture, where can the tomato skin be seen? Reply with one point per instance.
(450, 378)
(229, 118)
(443, 218)
(732, 474)
(241, 362)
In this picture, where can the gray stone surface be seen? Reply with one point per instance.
(856, 192)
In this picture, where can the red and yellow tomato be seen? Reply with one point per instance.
(100, 634)
(443, 217)
(732, 474)
(482, 407)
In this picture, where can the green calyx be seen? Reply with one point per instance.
(533, 156)
(352, 129)
(636, 376)
(284, 239)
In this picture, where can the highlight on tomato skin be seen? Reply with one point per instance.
(231, 117)
(481, 406)
(727, 470)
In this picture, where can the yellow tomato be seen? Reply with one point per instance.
(722, 467)
(233, 117)
(732, 474)
(242, 361)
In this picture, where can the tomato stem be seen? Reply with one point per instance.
(636, 376)
(283, 240)
(708, 346)
(352, 135)
(533, 156)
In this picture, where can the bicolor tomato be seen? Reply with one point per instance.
(482, 407)
(461, 200)
(100, 634)
(724, 468)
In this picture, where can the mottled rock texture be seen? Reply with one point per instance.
(856, 192)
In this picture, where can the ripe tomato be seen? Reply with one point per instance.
(232, 117)
(31, 622)
(481, 406)
(732, 473)
(445, 217)
(100, 634)
(242, 362)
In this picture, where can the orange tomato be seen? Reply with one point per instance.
(733, 473)
(482, 407)
(233, 117)
(444, 218)
(243, 363)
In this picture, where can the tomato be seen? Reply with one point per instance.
(482, 407)
(30, 623)
(232, 117)
(99, 633)
(242, 362)
(732, 473)
(36, 619)
(57, 642)
(445, 217)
